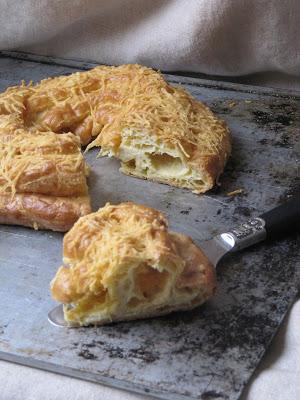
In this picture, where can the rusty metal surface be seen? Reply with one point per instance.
(211, 352)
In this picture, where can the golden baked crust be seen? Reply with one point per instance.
(122, 263)
(43, 212)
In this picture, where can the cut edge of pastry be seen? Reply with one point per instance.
(148, 157)
(181, 279)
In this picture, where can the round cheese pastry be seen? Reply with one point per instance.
(122, 263)
(159, 132)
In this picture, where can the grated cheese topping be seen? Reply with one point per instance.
(115, 237)
(25, 157)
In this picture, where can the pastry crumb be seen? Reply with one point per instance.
(235, 192)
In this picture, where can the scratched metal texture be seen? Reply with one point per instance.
(211, 352)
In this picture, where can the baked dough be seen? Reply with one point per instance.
(122, 263)
(159, 132)
(43, 212)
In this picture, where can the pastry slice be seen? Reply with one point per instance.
(122, 263)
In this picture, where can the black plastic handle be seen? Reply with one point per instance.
(284, 219)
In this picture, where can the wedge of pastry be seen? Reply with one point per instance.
(122, 263)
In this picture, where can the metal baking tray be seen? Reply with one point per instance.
(208, 353)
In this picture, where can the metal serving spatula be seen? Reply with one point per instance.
(278, 222)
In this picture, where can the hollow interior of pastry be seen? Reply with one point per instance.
(146, 156)
(145, 291)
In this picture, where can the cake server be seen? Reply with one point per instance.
(278, 222)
